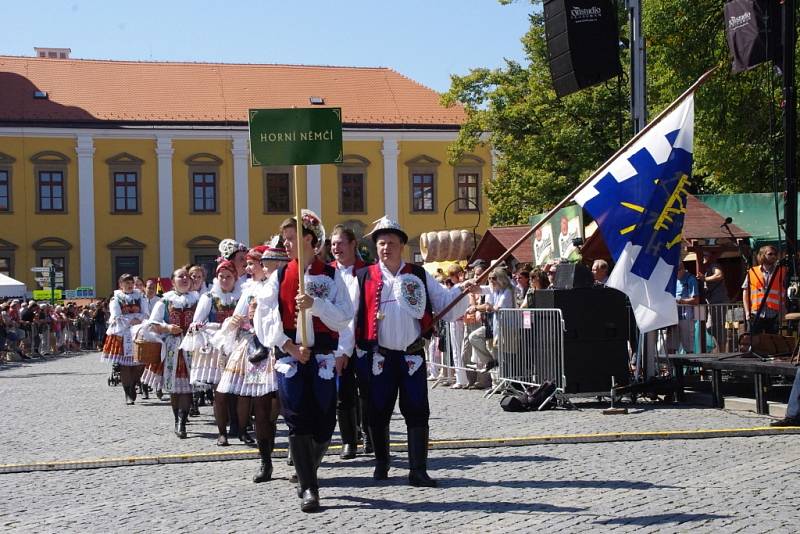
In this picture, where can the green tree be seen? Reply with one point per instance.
(735, 144)
(548, 145)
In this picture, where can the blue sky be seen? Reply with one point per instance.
(426, 40)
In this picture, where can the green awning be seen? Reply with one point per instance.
(752, 212)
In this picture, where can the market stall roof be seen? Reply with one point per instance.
(699, 223)
(10, 287)
(499, 239)
(754, 212)
(703, 222)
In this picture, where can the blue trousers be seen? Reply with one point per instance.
(793, 408)
(385, 387)
(308, 402)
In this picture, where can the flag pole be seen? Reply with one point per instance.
(301, 267)
(566, 200)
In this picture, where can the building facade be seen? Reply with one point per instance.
(110, 167)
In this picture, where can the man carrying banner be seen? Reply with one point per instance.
(396, 304)
(305, 329)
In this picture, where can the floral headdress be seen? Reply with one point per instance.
(312, 222)
(229, 247)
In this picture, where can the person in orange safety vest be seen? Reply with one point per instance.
(764, 295)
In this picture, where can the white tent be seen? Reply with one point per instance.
(10, 287)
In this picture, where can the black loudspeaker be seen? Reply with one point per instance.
(582, 43)
(752, 29)
(595, 336)
(572, 275)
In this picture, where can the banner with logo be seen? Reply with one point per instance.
(752, 29)
(554, 241)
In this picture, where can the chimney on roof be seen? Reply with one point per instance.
(52, 53)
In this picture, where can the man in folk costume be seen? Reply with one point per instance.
(306, 374)
(396, 305)
(352, 395)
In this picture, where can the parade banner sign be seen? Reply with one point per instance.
(298, 136)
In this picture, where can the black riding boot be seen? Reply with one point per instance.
(176, 415)
(194, 411)
(418, 458)
(368, 448)
(380, 440)
(319, 453)
(180, 428)
(127, 390)
(302, 448)
(347, 429)
(265, 451)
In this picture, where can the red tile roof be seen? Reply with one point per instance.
(498, 239)
(702, 222)
(160, 92)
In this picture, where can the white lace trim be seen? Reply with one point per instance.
(128, 298)
(226, 299)
(181, 300)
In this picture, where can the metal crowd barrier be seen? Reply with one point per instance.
(530, 348)
(723, 325)
(56, 337)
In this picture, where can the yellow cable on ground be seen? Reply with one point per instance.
(250, 454)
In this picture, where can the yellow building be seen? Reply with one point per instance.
(112, 166)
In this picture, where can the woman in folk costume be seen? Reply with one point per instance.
(306, 374)
(198, 274)
(236, 253)
(213, 308)
(207, 361)
(171, 318)
(128, 308)
(250, 371)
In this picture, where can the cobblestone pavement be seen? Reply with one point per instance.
(63, 409)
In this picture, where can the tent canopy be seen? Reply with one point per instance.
(10, 287)
(753, 212)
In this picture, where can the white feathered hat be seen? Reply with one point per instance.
(386, 225)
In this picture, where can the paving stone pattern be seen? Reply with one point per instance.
(63, 409)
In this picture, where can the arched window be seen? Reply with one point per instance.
(50, 169)
(126, 257)
(278, 190)
(125, 174)
(422, 174)
(54, 251)
(352, 173)
(6, 165)
(468, 177)
(204, 250)
(204, 182)
(7, 250)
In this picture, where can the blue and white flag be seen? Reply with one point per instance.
(639, 201)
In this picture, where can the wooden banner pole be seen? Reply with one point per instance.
(566, 200)
(301, 266)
